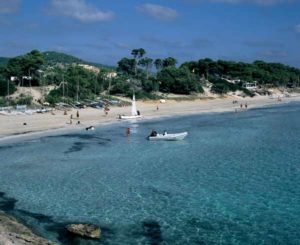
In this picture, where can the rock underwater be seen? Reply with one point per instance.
(85, 230)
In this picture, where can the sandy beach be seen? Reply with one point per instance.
(12, 126)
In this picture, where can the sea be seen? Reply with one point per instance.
(235, 179)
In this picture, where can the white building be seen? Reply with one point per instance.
(250, 86)
(90, 68)
(111, 74)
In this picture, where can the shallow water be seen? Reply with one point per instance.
(233, 180)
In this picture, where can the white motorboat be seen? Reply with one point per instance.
(168, 137)
(134, 113)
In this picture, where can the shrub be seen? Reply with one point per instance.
(23, 100)
(119, 87)
(54, 96)
(178, 81)
(2, 101)
(221, 86)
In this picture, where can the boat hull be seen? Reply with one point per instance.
(168, 137)
(130, 117)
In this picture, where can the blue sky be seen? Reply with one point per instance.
(104, 31)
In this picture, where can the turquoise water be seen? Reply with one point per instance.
(234, 180)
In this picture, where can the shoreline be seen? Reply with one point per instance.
(38, 125)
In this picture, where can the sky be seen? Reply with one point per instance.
(105, 31)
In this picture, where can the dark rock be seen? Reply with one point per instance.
(85, 230)
(152, 231)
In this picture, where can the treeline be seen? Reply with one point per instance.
(19, 71)
(225, 76)
(136, 74)
(71, 82)
(74, 83)
(275, 74)
(139, 74)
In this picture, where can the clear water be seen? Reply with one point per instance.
(234, 180)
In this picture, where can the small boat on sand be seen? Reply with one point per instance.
(130, 117)
(168, 137)
(134, 112)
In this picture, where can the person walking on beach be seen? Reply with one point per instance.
(246, 106)
(106, 110)
(241, 105)
(157, 108)
(77, 114)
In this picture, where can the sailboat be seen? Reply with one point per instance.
(134, 113)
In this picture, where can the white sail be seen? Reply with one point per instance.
(133, 107)
(134, 112)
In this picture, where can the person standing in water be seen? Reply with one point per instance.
(128, 132)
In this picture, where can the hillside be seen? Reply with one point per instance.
(52, 58)
(3, 61)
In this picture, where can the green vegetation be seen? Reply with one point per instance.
(3, 101)
(178, 81)
(137, 74)
(74, 84)
(23, 100)
(3, 86)
(25, 68)
(274, 74)
(221, 86)
(53, 58)
(134, 74)
(3, 61)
